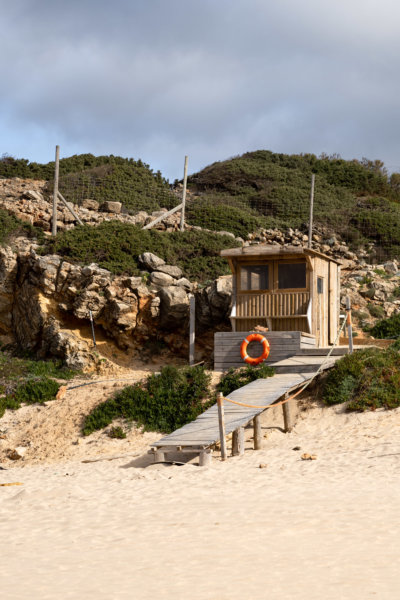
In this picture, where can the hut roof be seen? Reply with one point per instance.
(271, 251)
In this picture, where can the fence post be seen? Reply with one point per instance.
(349, 325)
(192, 321)
(55, 192)
(310, 227)
(184, 194)
(221, 423)
(92, 324)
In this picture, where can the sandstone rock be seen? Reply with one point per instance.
(175, 272)
(391, 267)
(161, 279)
(185, 283)
(133, 282)
(90, 204)
(111, 207)
(150, 261)
(174, 306)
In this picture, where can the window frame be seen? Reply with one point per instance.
(273, 281)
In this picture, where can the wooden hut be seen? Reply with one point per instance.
(293, 291)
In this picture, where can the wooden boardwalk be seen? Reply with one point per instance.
(196, 437)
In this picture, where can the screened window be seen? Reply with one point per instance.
(292, 276)
(254, 277)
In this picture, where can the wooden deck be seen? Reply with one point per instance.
(196, 437)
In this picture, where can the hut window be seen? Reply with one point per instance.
(320, 285)
(292, 276)
(254, 277)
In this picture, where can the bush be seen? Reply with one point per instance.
(116, 246)
(236, 378)
(164, 402)
(117, 433)
(376, 310)
(367, 379)
(387, 328)
(10, 227)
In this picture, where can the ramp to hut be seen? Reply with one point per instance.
(197, 437)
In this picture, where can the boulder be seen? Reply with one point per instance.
(111, 207)
(175, 272)
(391, 267)
(150, 261)
(90, 204)
(174, 307)
(161, 279)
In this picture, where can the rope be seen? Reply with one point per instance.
(302, 388)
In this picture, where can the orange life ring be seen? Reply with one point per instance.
(254, 337)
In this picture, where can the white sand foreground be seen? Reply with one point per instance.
(326, 529)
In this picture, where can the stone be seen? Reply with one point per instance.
(161, 279)
(391, 267)
(150, 261)
(133, 282)
(111, 207)
(174, 308)
(90, 204)
(185, 283)
(175, 272)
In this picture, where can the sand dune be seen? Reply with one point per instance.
(327, 528)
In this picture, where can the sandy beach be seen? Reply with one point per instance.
(115, 526)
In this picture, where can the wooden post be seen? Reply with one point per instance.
(221, 423)
(192, 321)
(205, 458)
(163, 216)
(159, 456)
(349, 325)
(71, 210)
(257, 432)
(184, 194)
(55, 192)
(92, 324)
(310, 227)
(238, 442)
(287, 415)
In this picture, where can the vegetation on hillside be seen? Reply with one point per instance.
(24, 380)
(354, 198)
(386, 328)
(11, 227)
(99, 178)
(367, 379)
(116, 246)
(164, 402)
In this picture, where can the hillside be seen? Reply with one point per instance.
(356, 200)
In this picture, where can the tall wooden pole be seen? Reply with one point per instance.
(184, 194)
(310, 228)
(192, 321)
(349, 325)
(55, 192)
(221, 423)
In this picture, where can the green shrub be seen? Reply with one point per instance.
(164, 402)
(116, 246)
(387, 328)
(376, 310)
(10, 227)
(222, 217)
(367, 379)
(36, 391)
(117, 433)
(236, 378)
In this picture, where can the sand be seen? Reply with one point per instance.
(119, 527)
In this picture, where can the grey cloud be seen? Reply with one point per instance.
(158, 79)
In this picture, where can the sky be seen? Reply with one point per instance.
(211, 79)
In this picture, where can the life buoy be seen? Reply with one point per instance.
(254, 337)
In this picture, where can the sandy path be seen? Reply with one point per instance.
(328, 528)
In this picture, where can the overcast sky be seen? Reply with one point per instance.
(158, 79)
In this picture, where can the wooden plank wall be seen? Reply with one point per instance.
(283, 344)
(272, 304)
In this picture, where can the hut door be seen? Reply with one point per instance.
(322, 312)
